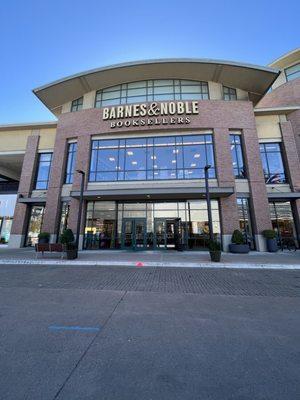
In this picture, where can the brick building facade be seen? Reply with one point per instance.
(142, 133)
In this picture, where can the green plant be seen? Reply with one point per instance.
(67, 238)
(214, 245)
(269, 234)
(44, 235)
(237, 237)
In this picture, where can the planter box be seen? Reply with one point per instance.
(272, 245)
(215, 256)
(43, 240)
(239, 248)
(72, 254)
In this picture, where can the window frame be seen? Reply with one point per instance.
(267, 176)
(232, 96)
(73, 163)
(122, 94)
(243, 168)
(208, 139)
(38, 168)
(287, 75)
(77, 104)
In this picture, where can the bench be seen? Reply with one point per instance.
(49, 247)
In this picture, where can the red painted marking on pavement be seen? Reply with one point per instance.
(139, 264)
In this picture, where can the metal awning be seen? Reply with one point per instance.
(154, 193)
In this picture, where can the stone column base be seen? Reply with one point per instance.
(16, 241)
(260, 243)
(226, 240)
(53, 237)
(80, 244)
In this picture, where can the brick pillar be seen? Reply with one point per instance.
(291, 155)
(294, 118)
(57, 174)
(292, 162)
(19, 226)
(82, 163)
(228, 205)
(259, 198)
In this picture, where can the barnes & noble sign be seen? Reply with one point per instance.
(136, 115)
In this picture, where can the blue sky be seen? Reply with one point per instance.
(44, 40)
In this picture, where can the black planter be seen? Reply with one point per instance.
(215, 256)
(272, 245)
(180, 247)
(239, 248)
(43, 240)
(72, 254)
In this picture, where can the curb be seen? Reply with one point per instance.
(207, 264)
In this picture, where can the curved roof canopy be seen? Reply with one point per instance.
(254, 79)
(287, 59)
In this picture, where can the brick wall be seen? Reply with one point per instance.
(19, 225)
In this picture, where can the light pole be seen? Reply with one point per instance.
(207, 195)
(82, 173)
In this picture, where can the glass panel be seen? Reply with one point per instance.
(282, 220)
(35, 225)
(152, 158)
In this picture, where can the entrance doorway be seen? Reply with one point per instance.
(134, 234)
(167, 233)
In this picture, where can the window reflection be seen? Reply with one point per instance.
(152, 90)
(172, 157)
(272, 163)
(106, 221)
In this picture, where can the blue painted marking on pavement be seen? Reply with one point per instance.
(74, 328)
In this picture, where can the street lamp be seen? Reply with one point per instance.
(82, 173)
(207, 195)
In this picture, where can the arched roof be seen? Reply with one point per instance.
(252, 78)
(287, 59)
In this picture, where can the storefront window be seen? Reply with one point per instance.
(35, 225)
(272, 163)
(149, 225)
(152, 90)
(43, 172)
(7, 207)
(172, 157)
(100, 229)
(64, 217)
(282, 220)
(245, 220)
(237, 156)
(72, 151)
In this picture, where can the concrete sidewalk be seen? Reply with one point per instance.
(194, 259)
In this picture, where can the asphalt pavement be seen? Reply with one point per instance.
(118, 333)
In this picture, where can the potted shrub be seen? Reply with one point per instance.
(67, 239)
(214, 250)
(238, 244)
(44, 237)
(270, 236)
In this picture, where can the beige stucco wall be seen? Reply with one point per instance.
(47, 138)
(14, 140)
(268, 127)
(279, 81)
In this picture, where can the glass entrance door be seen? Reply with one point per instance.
(166, 233)
(134, 233)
